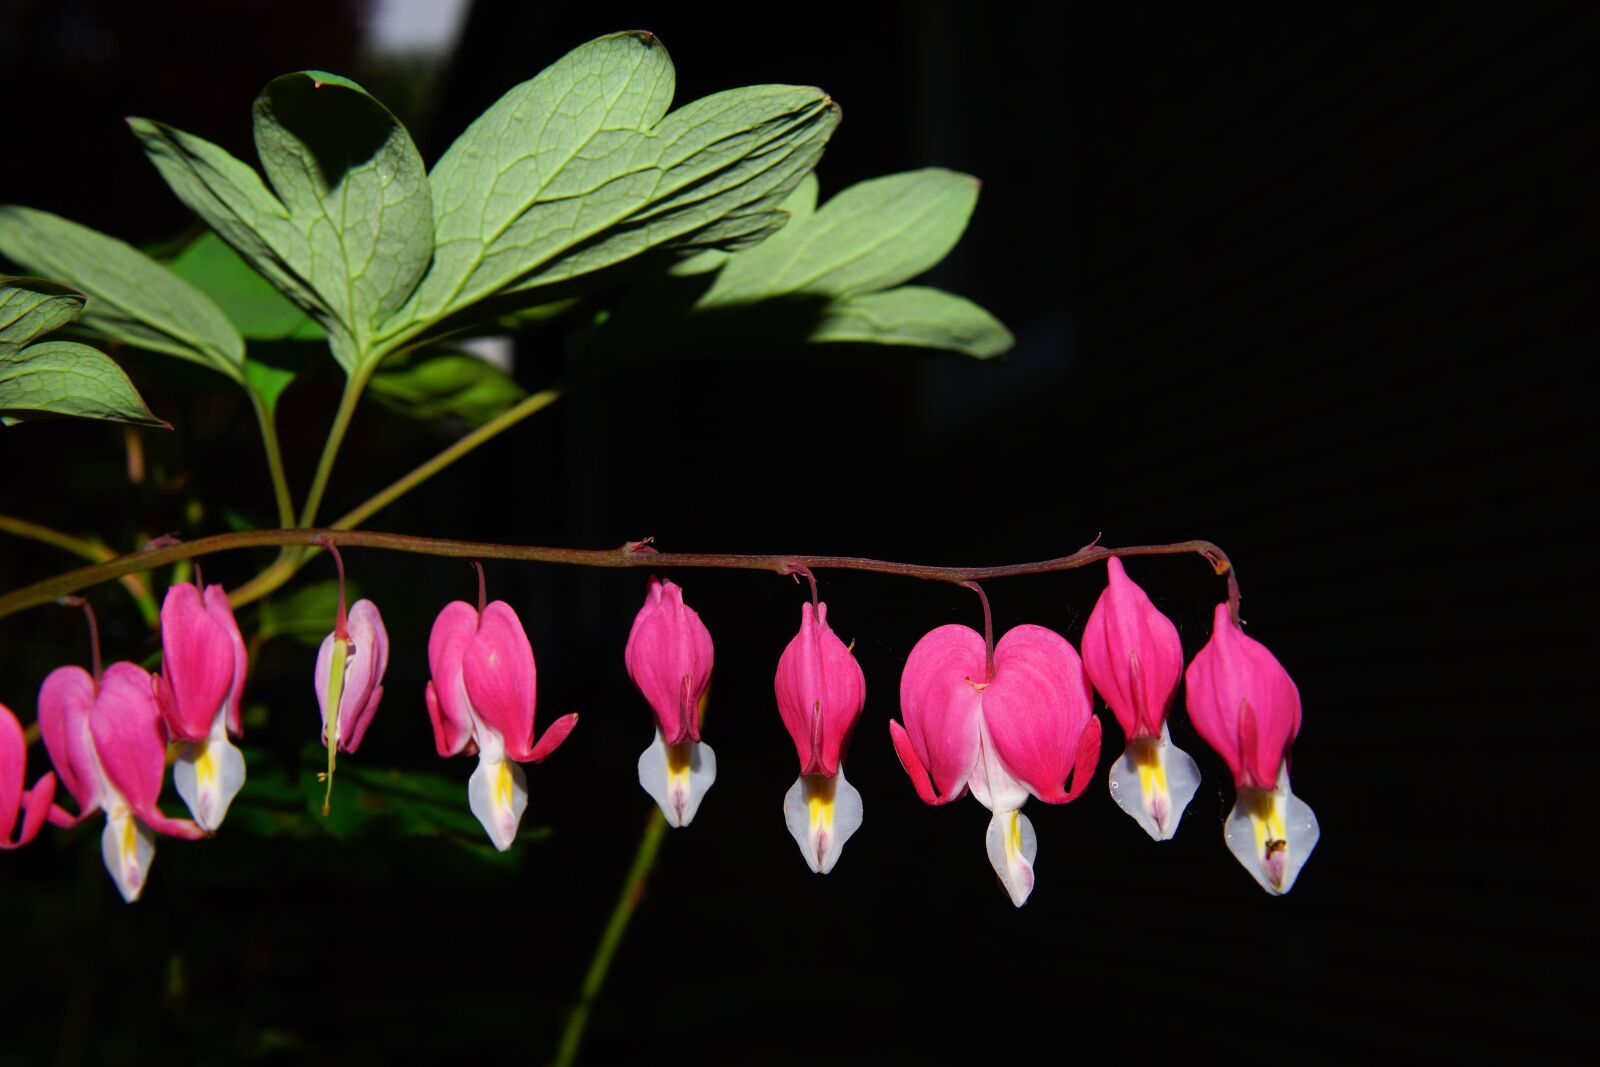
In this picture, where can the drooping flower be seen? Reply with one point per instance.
(349, 679)
(1016, 724)
(33, 804)
(109, 745)
(481, 699)
(1245, 706)
(1132, 654)
(669, 656)
(820, 691)
(199, 692)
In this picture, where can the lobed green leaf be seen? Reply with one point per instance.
(871, 236)
(445, 384)
(581, 168)
(132, 298)
(916, 316)
(346, 230)
(68, 378)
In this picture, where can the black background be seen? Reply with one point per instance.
(1315, 286)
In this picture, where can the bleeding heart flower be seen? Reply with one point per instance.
(199, 692)
(350, 669)
(1132, 654)
(109, 745)
(1007, 726)
(481, 699)
(669, 657)
(1244, 704)
(33, 804)
(820, 690)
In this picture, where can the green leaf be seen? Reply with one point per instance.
(132, 298)
(346, 230)
(67, 378)
(32, 307)
(446, 383)
(581, 168)
(824, 277)
(871, 236)
(916, 316)
(256, 309)
(268, 381)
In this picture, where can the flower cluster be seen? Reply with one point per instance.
(1005, 720)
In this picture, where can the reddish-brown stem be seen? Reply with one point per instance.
(632, 554)
(94, 632)
(988, 630)
(804, 571)
(341, 628)
(483, 589)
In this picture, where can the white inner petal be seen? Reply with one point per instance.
(1271, 833)
(127, 846)
(1153, 781)
(822, 813)
(991, 784)
(209, 774)
(1012, 846)
(677, 776)
(498, 795)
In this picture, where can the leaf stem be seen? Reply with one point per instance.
(627, 903)
(269, 442)
(89, 550)
(632, 554)
(353, 386)
(497, 425)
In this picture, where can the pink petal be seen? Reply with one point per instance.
(940, 702)
(446, 695)
(914, 767)
(13, 772)
(501, 678)
(65, 701)
(198, 664)
(820, 691)
(219, 609)
(554, 734)
(131, 744)
(1037, 708)
(1132, 654)
(1232, 673)
(669, 657)
(363, 682)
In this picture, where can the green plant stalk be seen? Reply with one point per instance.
(89, 550)
(632, 554)
(499, 424)
(627, 903)
(353, 385)
(289, 563)
(269, 442)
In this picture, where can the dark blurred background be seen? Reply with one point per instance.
(1315, 285)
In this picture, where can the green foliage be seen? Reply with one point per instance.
(305, 615)
(133, 299)
(825, 277)
(368, 802)
(442, 384)
(257, 310)
(871, 236)
(346, 229)
(582, 168)
(57, 377)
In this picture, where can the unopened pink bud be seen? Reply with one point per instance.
(820, 691)
(1243, 703)
(669, 656)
